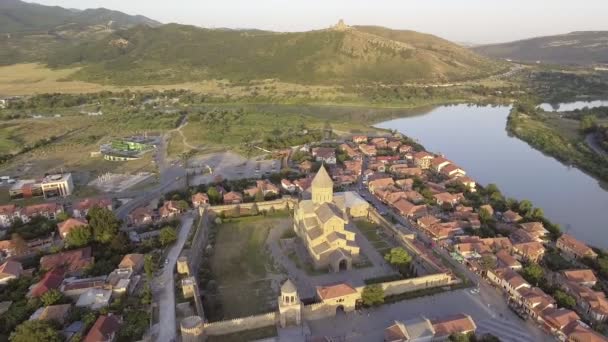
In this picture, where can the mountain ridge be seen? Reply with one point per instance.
(573, 48)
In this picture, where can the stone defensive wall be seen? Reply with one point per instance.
(241, 324)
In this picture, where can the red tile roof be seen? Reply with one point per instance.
(89, 203)
(74, 261)
(456, 324)
(51, 280)
(103, 330)
(334, 291)
(70, 224)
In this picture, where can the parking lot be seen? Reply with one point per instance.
(229, 166)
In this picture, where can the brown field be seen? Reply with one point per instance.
(32, 78)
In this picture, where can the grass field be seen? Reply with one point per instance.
(373, 233)
(243, 268)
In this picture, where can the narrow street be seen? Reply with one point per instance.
(164, 289)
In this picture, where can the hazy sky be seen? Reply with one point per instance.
(478, 21)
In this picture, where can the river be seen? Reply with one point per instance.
(570, 106)
(476, 139)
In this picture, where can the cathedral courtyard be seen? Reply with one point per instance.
(253, 256)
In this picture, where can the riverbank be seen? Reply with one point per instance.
(573, 151)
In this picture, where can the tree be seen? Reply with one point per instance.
(149, 267)
(588, 123)
(183, 205)
(533, 273)
(62, 216)
(259, 196)
(564, 300)
(19, 244)
(35, 331)
(398, 257)
(525, 207)
(255, 210)
(214, 195)
(79, 237)
(372, 295)
(488, 262)
(51, 297)
(485, 216)
(103, 223)
(167, 236)
(537, 214)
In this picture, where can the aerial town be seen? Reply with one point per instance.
(367, 238)
(265, 171)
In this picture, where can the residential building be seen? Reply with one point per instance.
(394, 145)
(408, 209)
(405, 149)
(593, 303)
(416, 329)
(559, 319)
(405, 170)
(263, 186)
(506, 260)
(80, 209)
(580, 333)
(199, 199)
(141, 216)
(233, 197)
(10, 270)
(509, 280)
(74, 261)
(94, 299)
(510, 216)
(423, 160)
(53, 313)
(536, 229)
(381, 143)
(368, 150)
(134, 262)
(573, 248)
(48, 210)
(530, 251)
(360, 139)
(69, 225)
(169, 210)
(451, 325)
(584, 277)
(104, 329)
(7, 214)
(75, 287)
(320, 223)
(439, 163)
(447, 198)
(325, 155)
(50, 281)
(288, 185)
(380, 183)
(453, 171)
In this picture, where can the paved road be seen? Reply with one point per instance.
(164, 288)
(591, 140)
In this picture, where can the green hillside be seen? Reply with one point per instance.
(19, 16)
(576, 48)
(176, 53)
(30, 32)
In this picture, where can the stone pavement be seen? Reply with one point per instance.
(368, 325)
